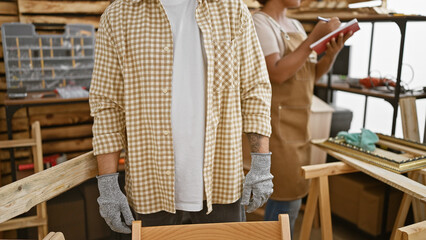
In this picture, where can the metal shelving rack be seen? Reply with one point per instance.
(44, 62)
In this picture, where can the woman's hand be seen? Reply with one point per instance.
(323, 28)
(335, 45)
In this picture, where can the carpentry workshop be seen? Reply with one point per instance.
(213, 119)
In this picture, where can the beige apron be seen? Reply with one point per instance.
(289, 142)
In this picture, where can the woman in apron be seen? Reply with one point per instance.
(293, 68)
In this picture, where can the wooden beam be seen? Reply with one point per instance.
(311, 206)
(44, 7)
(410, 124)
(74, 131)
(18, 124)
(324, 209)
(20, 196)
(285, 226)
(64, 146)
(6, 19)
(16, 135)
(10, 8)
(22, 222)
(17, 143)
(401, 215)
(326, 169)
(44, 19)
(136, 230)
(22, 112)
(70, 108)
(53, 119)
(416, 231)
(395, 180)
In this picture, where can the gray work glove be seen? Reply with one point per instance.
(258, 182)
(113, 203)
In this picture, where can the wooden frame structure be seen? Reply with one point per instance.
(319, 191)
(211, 231)
(40, 219)
(415, 231)
(20, 196)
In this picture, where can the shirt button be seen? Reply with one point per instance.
(165, 132)
(168, 173)
(166, 49)
(280, 107)
(165, 90)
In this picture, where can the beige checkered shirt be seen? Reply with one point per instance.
(130, 97)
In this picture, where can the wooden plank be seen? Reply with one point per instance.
(6, 179)
(62, 118)
(416, 231)
(324, 208)
(20, 196)
(6, 167)
(16, 135)
(311, 206)
(226, 231)
(23, 222)
(38, 167)
(395, 180)
(10, 8)
(67, 132)
(22, 112)
(417, 206)
(6, 19)
(136, 230)
(74, 7)
(67, 146)
(74, 154)
(326, 169)
(59, 108)
(44, 19)
(18, 124)
(2, 68)
(17, 143)
(284, 221)
(410, 124)
(19, 153)
(3, 85)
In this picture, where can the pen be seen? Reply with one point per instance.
(323, 19)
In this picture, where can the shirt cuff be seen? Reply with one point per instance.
(260, 124)
(108, 143)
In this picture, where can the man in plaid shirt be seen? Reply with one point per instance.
(175, 84)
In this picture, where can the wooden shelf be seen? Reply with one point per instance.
(369, 92)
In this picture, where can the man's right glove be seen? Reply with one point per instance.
(258, 182)
(113, 203)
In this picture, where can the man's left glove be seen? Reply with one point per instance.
(258, 182)
(113, 203)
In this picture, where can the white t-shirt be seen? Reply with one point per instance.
(188, 103)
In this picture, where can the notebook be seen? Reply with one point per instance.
(321, 45)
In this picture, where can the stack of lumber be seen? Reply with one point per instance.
(64, 128)
(51, 14)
